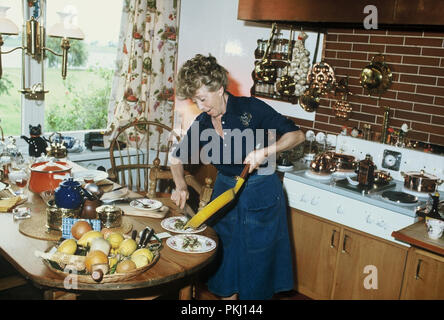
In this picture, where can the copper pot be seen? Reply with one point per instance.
(344, 162)
(47, 175)
(420, 181)
(323, 163)
(382, 177)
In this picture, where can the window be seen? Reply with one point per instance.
(81, 101)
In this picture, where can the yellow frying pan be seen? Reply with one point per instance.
(218, 203)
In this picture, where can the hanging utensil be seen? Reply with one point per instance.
(287, 85)
(376, 77)
(265, 70)
(219, 202)
(310, 100)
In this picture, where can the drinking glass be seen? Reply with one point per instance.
(20, 179)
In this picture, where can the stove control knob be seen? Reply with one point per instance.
(340, 210)
(381, 223)
(370, 219)
(304, 198)
(315, 201)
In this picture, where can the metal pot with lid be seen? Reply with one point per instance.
(323, 163)
(47, 175)
(421, 181)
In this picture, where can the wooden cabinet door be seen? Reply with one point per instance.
(315, 244)
(368, 268)
(424, 276)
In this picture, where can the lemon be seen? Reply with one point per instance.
(127, 247)
(144, 252)
(68, 246)
(115, 239)
(86, 239)
(140, 260)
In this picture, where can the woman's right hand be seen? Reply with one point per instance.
(180, 197)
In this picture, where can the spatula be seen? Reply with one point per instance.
(218, 203)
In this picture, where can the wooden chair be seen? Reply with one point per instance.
(139, 160)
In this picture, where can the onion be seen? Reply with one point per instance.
(101, 245)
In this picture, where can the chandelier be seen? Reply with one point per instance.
(33, 41)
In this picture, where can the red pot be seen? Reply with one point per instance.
(47, 175)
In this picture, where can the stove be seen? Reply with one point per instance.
(375, 210)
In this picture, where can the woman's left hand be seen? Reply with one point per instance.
(255, 158)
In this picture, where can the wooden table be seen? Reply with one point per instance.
(173, 269)
(416, 235)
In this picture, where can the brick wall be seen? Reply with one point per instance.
(416, 96)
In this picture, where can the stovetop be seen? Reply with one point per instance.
(341, 186)
(344, 183)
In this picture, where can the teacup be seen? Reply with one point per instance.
(435, 228)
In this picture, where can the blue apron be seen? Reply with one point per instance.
(255, 252)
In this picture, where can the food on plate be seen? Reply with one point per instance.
(179, 224)
(126, 266)
(191, 243)
(95, 257)
(100, 244)
(80, 228)
(86, 239)
(143, 252)
(140, 260)
(68, 246)
(127, 247)
(115, 239)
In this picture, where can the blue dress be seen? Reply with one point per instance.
(255, 255)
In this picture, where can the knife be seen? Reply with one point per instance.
(188, 211)
(142, 238)
(134, 234)
(148, 238)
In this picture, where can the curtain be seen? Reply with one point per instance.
(143, 84)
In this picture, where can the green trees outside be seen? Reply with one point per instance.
(83, 108)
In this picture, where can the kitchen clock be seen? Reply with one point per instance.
(391, 160)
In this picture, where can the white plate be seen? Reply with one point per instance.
(285, 168)
(153, 204)
(205, 244)
(168, 224)
(96, 174)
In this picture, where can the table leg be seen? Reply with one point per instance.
(186, 293)
(58, 295)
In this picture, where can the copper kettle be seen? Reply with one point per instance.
(265, 70)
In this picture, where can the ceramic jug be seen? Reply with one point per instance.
(68, 194)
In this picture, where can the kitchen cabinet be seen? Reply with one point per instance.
(399, 12)
(424, 276)
(336, 262)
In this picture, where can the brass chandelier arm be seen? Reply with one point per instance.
(53, 52)
(12, 50)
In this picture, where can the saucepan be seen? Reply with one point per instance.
(47, 175)
(421, 181)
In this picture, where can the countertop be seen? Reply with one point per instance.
(416, 235)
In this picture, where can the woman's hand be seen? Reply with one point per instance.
(255, 158)
(180, 197)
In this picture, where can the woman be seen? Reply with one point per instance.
(231, 132)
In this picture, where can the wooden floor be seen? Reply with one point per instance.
(202, 293)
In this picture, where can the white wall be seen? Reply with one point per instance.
(211, 26)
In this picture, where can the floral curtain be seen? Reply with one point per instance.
(143, 84)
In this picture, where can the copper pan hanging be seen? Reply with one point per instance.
(265, 70)
(286, 85)
(376, 77)
(311, 98)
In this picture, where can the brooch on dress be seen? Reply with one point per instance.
(246, 118)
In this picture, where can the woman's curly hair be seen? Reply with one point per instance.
(197, 72)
